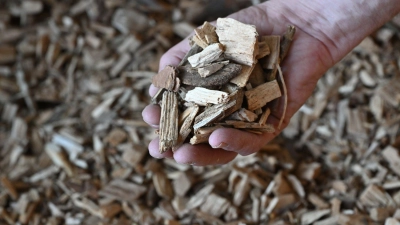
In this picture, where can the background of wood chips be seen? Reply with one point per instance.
(73, 81)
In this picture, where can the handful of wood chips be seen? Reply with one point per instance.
(225, 80)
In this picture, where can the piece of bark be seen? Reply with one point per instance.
(261, 95)
(167, 79)
(392, 155)
(221, 77)
(207, 56)
(203, 96)
(286, 42)
(210, 69)
(244, 75)
(168, 121)
(239, 40)
(270, 61)
(185, 128)
(243, 115)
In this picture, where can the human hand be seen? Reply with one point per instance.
(316, 47)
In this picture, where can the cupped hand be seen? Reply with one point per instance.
(310, 55)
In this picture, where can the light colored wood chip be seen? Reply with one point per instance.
(215, 205)
(244, 75)
(392, 155)
(239, 40)
(122, 190)
(312, 216)
(207, 56)
(163, 185)
(185, 127)
(182, 184)
(213, 114)
(59, 158)
(297, 186)
(205, 35)
(392, 221)
(203, 96)
(243, 115)
(317, 201)
(200, 197)
(374, 196)
(169, 121)
(261, 95)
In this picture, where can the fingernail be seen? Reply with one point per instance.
(221, 145)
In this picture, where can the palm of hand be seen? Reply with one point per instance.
(307, 60)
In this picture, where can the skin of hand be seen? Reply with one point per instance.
(326, 32)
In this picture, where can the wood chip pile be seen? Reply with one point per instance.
(73, 82)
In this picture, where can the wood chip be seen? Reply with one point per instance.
(207, 56)
(203, 96)
(393, 157)
(168, 121)
(239, 40)
(312, 216)
(166, 79)
(261, 95)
